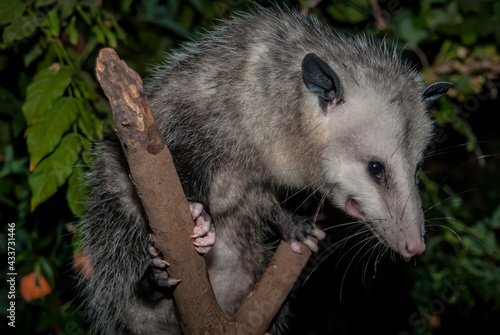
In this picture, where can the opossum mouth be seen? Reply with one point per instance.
(352, 208)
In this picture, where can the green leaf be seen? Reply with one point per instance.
(110, 36)
(10, 11)
(406, 26)
(351, 12)
(72, 32)
(54, 23)
(469, 31)
(99, 35)
(77, 191)
(54, 170)
(86, 151)
(46, 88)
(446, 15)
(12, 164)
(35, 52)
(85, 16)
(19, 29)
(43, 3)
(67, 8)
(46, 131)
(77, 241)
(47, 271)
(89, 124)
(47, 59)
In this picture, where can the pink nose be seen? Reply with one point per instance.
(410, 247)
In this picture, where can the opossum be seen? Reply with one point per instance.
(266, 103)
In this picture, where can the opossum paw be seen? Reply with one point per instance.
(204, 239)
(302, 233)
(203, 231)
(159, 274)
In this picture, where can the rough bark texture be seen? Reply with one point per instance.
(271, 290)
(160, 190)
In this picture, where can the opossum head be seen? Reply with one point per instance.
(374, 133)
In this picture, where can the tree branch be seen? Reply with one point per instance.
(378, 14)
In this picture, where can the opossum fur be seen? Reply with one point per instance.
(269, 101)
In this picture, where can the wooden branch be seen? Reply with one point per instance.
(260, 307)
(153, 173)
(377, 13)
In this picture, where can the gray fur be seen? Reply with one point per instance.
(242, 126)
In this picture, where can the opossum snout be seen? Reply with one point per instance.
(409, 244)
(411, 247)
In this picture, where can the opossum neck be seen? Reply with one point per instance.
(290, 149)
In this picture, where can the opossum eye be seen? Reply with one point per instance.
(376, 169)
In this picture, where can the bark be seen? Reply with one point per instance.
(153, 173)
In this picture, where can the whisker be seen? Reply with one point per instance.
(350, 263)
(434, 141)
(448, 198)
(387, 206)
(380, 255)
(343, 225)
(303, 202)
(301, 190)
(370, 251)
(457, 223)
(454, 232)
(467, 161)
(320, 205)
(342, 241)
(407, 199)
(331, 249)
(443, 151)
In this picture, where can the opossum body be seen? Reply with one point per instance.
(266, 103)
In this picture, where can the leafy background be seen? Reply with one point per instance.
(51, 110)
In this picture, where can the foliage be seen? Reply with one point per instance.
(51, 110)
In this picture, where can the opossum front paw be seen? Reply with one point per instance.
(159, 274)
(312, 244)
(203, 232)
(301, 231)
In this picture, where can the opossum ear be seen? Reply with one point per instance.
(320, 79)
(435, 92)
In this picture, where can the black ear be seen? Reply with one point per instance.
(435, 92)
(320, 79)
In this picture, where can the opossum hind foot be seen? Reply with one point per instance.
(203, 240)
(204, 231)
(159, 274)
